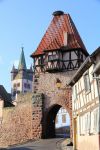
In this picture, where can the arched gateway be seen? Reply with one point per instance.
(49, 121)
(58, 56)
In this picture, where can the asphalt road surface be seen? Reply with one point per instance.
(49, 144)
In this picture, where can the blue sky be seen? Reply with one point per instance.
(24, 22)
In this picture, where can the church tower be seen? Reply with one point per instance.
(21, 78)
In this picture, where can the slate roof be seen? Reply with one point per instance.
(5, 96)
(22, 62)
(54, 36)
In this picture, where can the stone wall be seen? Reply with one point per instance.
(46, 83)
(16, 125)
(37, 123)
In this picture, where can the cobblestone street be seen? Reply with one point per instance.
(50, 144)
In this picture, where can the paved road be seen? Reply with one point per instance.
(50, 144)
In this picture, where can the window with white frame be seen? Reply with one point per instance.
(85, 124)
(87, 82)
(89, 122)
(96, 120)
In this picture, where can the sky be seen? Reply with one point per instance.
(24, 22)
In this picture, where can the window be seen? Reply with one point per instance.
(25, 85)
(85, 124)
(96, 120)
(64, 118)
(87, 82)
(28, 86)
(18, 84)
(52, 57)
(40, 60)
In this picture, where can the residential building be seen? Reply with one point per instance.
(86, 104)
(21, 78)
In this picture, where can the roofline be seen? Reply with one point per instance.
(87, 63)
(59, 49)
(96, 52)
(80, 71)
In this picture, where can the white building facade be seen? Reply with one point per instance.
(86, 101)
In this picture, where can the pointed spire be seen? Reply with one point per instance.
(13, 68)
(22, 63)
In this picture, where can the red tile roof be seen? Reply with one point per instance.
(54, 36)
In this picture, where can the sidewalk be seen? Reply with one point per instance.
(64, 145)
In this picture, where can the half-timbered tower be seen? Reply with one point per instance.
(21, 78)
(86, 104)
(59, 54)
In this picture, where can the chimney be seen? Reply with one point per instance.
(65, 41)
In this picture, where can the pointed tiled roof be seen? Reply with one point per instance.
(54, 36)
(22, 63)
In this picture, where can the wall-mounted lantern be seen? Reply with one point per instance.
(58, 83)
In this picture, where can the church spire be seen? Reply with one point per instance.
(22, 63)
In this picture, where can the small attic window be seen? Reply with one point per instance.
(87, 82)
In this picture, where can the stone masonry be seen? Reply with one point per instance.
(46, 83)
(16, 125)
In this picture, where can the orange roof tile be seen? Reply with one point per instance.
(54, 36)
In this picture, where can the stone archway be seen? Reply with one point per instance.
(49, 123)
(45, 110)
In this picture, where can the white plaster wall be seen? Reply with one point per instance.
(83, 98)
(59, 116)
(16, 82)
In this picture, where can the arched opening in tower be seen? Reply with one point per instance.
(57, 123)
(62, 123)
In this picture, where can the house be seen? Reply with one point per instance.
(86, 104)
(21, 78)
